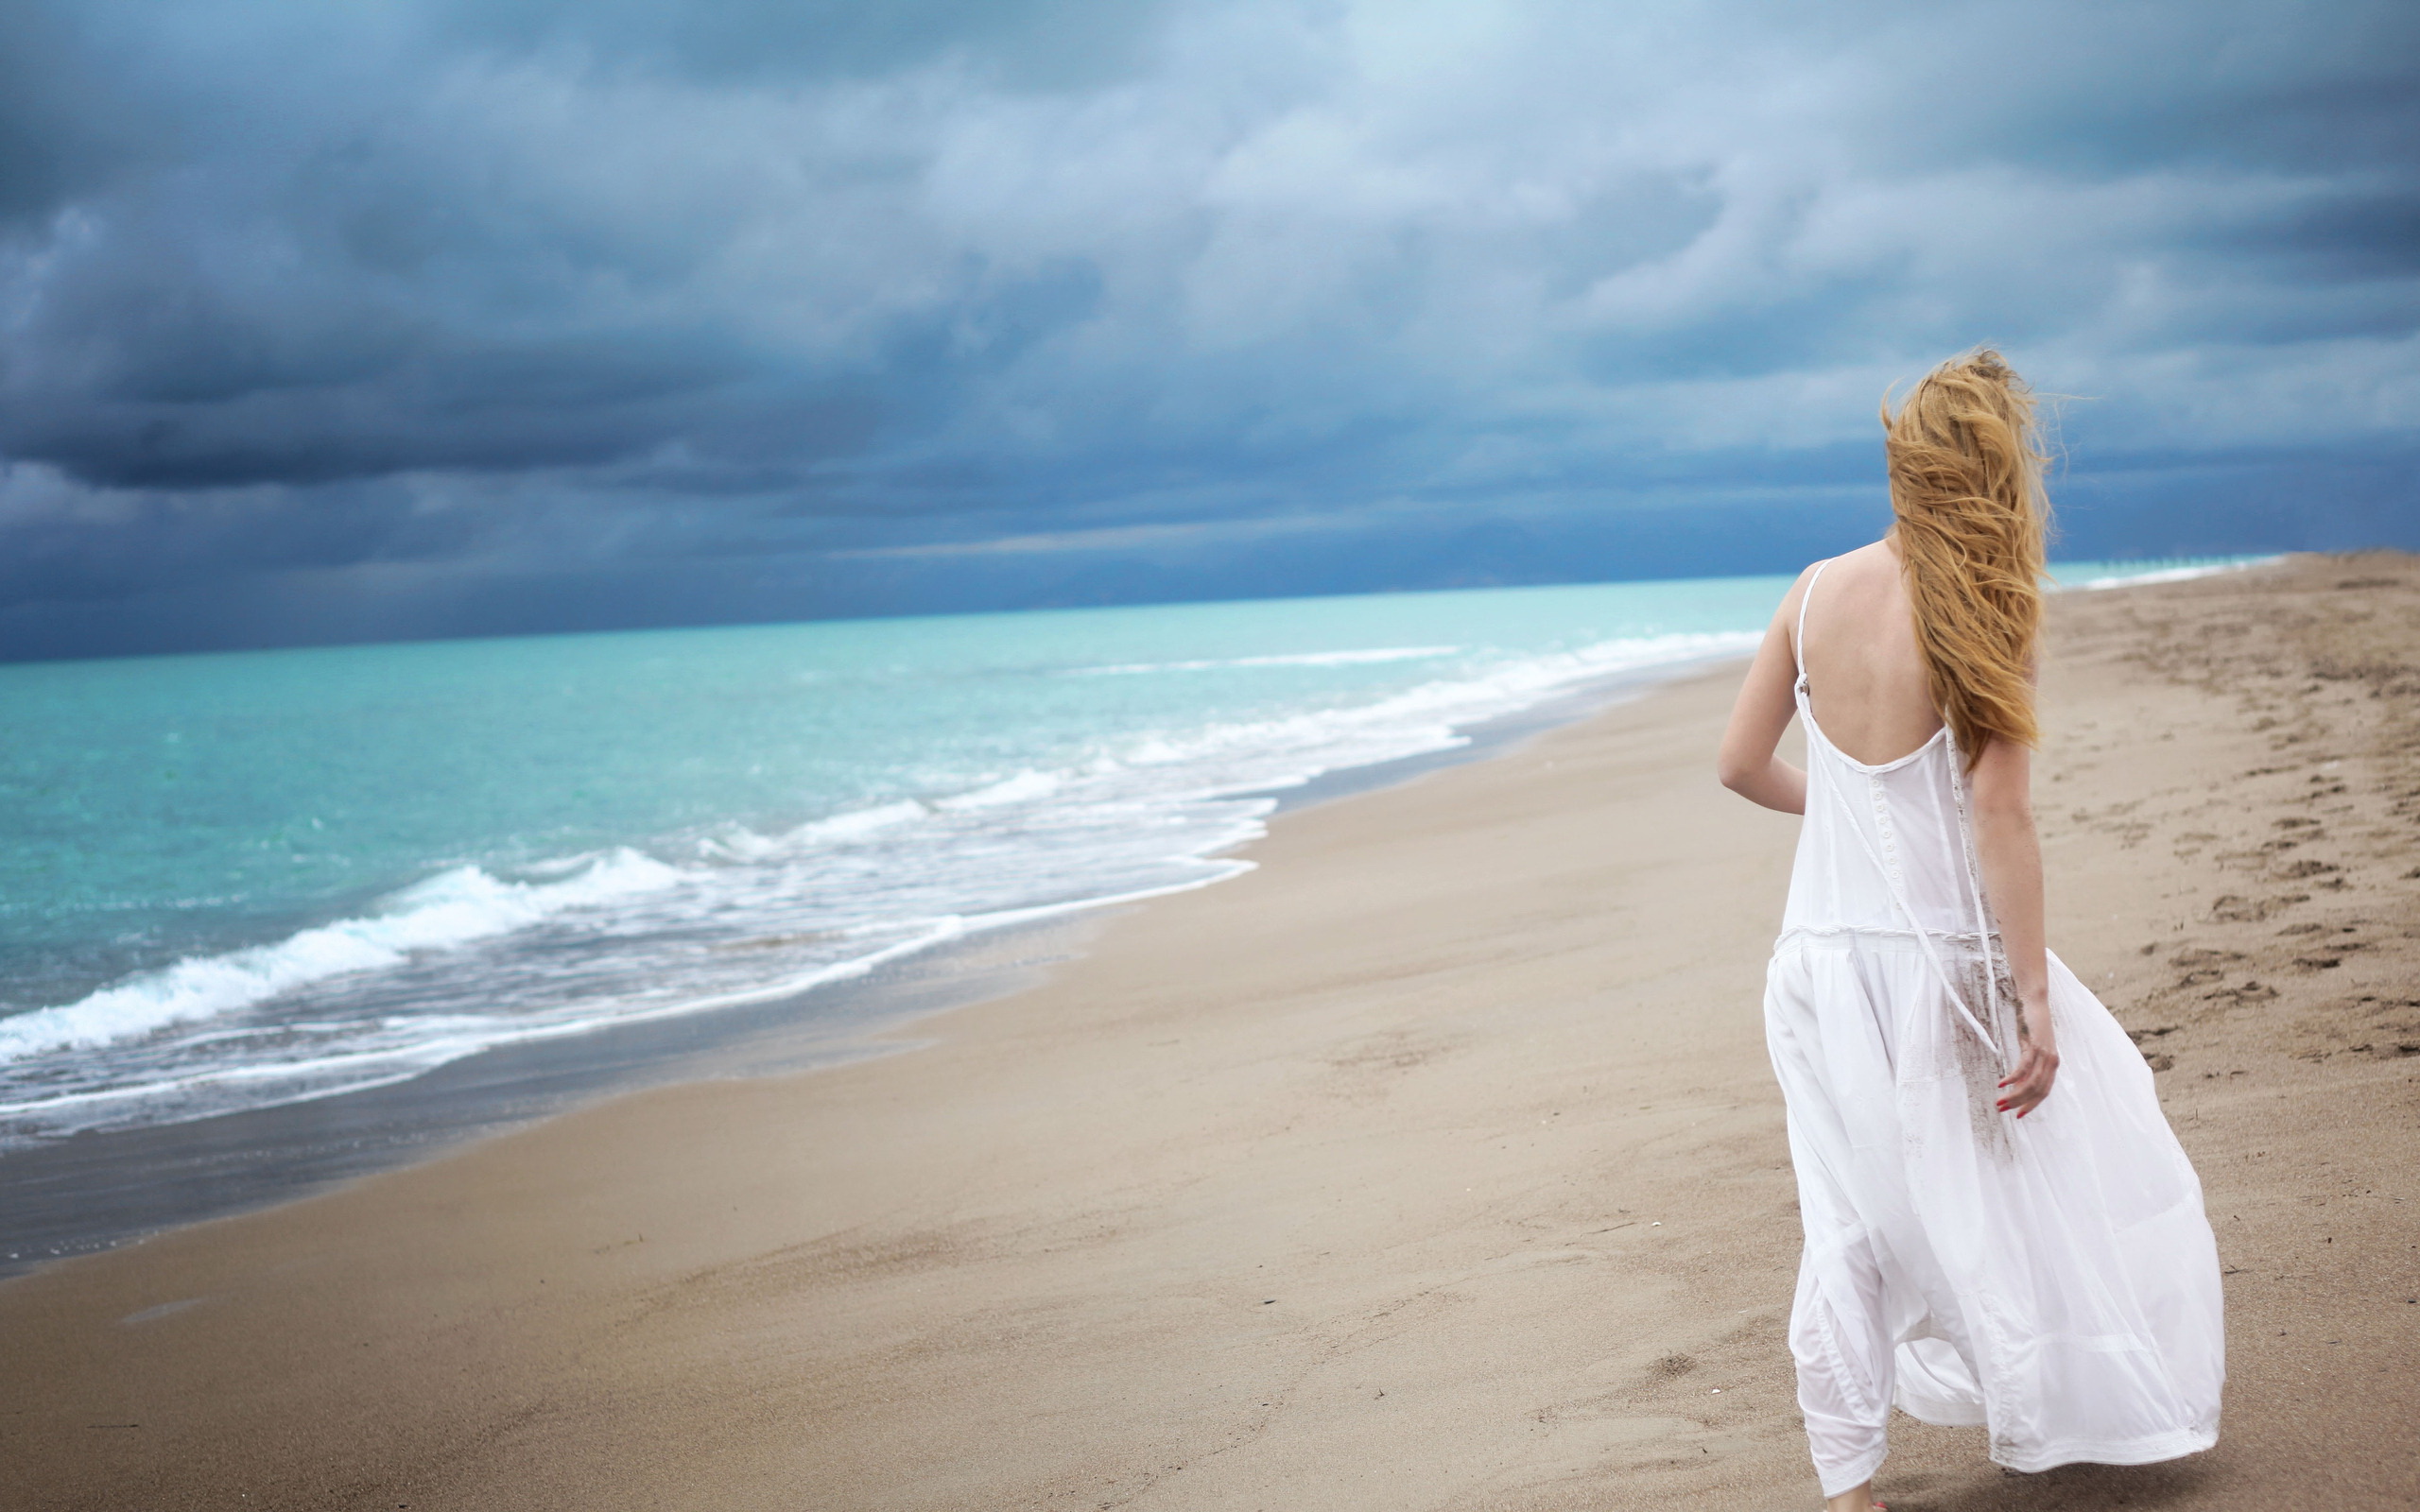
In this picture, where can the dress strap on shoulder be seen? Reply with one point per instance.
(1798, 648)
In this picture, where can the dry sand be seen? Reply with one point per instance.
(1436, 1163)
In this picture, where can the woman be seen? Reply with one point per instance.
(2001, 1229)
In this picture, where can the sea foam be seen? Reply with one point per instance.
(1296, 658)
(451, 909)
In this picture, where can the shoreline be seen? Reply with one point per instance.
(1435, 1163)
(159, 1178)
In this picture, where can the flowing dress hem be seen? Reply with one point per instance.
(1850, 1481)
(2149, 1450)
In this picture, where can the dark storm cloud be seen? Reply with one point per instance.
(446, 293)
(1035, 43)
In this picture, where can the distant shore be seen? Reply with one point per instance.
(1434, 1164)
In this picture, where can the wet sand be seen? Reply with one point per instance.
(1433, 1164)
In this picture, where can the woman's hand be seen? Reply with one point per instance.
(2037, 1064)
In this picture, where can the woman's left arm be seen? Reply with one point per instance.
(1767, 703)
(2011, 856)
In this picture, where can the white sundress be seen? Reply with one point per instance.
(2051, 1278)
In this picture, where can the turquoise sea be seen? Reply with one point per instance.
(234, 880)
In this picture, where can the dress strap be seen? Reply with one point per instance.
(1798, 647)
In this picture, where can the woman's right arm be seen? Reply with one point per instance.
(1767, 703)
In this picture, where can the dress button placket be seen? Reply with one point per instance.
(1882, 823)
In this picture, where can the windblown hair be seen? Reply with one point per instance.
(1966, 462)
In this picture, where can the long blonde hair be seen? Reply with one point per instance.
(1966, 462)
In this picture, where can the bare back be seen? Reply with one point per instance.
(1865, 675)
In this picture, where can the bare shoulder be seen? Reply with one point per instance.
(1786, 610)
(1872, 559)
(1859, 572)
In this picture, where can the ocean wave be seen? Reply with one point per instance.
(1291, 658)
(739, 843)
(2166, 574)
(455, 907)
(1425, 717)
(1025, 787)
(224, 1088)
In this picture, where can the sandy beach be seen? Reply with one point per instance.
(1435, 1163)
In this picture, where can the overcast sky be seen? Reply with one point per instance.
(441, 317)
